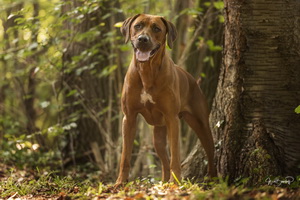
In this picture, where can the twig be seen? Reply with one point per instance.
(186, 51)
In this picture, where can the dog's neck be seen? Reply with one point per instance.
(149, 70)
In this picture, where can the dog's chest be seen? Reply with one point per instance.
(150, 110)
(146, 97)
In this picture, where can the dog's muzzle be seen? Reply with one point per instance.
(144, 48)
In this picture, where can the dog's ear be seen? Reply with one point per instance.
(171, 31)
(125, 28)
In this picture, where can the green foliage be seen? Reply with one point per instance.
(192, 11)
(24, 151)
(50, 184)
(213, 47)
(46, 184)
(32, 45)
(219, 5)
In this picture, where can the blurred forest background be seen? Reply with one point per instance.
(62, 65)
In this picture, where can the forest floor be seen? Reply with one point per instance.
(17, 184)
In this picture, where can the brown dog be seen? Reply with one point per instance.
(162, 93)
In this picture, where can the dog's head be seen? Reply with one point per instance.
(148, 34)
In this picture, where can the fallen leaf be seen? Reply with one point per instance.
(128, 198)
(139, 196)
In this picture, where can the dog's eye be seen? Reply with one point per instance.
(156, 29)
(138, 26)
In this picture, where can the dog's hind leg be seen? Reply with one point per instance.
(203, 132)
(197, 119)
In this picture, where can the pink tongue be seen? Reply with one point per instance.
(142, 56)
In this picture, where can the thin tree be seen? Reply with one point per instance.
(91, 79)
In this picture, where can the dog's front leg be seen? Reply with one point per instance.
(160, 143)
(173, 136)
(128, 134)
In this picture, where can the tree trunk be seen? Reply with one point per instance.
(25, 85)
(28, 102)
(253, 121)
(182, 24)
(8, 23)
(92, 92)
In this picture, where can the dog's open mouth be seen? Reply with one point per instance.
(145, 55)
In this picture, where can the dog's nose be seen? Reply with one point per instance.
(143, 38)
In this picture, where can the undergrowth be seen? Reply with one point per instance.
(20, 184)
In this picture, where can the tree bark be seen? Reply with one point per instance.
(253, 121)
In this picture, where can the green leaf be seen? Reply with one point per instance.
(212, 46)
(221, 19)
(108, 70)
(71, 93)
(136, 143)
(152, 166)
(219, 5)
(297, 110)
(206, 59)
(207, 4)
(118, 24)
(175, 177)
